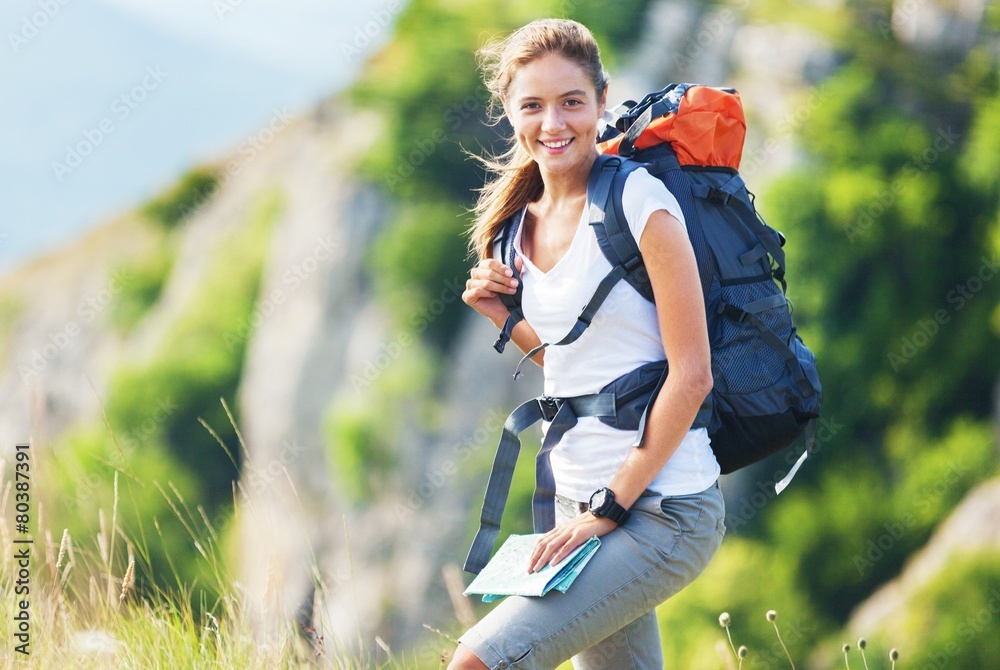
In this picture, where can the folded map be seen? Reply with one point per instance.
(507, 572)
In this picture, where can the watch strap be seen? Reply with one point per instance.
(615, 512)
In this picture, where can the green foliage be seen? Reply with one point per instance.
(200, 360)
(421, 268)
(952, 621)
(934, 475)
(982, 162)
(891, 226)
(830, 20)
(366, 429)
(360, 452)
(195, 187)
(143, 281)
(428, 90)
(928, 479)
(746, 578)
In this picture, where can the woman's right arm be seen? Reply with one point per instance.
(486, 280)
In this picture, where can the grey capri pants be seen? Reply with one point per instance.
(607, 619)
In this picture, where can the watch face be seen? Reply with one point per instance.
(598, 499)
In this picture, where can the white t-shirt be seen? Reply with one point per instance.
(624, 335)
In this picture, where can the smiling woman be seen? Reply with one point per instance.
(658, 509)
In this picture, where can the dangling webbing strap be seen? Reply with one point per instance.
(810, 433)
(563, 414)
(503, 249)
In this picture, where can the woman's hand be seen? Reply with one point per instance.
(557, 544)
(482, 293)
(488, 279)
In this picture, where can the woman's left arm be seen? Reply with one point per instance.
(680, 309)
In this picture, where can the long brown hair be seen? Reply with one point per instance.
(516, 179)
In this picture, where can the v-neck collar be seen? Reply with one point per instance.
(560, 262)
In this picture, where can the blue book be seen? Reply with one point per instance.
(507, 572)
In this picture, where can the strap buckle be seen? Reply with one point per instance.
(549, 406)
(718, 196)
(731, 311)
(632, 263)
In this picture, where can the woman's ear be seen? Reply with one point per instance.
(602, 102)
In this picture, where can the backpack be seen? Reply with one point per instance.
(766, 388)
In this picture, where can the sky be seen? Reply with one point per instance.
(107, 102)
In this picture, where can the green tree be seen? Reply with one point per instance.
(894, 232)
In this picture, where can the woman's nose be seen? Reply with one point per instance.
(552, 120)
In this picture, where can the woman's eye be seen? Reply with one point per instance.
(573, 103)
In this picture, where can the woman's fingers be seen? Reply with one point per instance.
(540, 556)
(560, 542)
(553, 550)
(541, 547)
(487, 281)
(553, 547)
(562, 552)
(492, 275)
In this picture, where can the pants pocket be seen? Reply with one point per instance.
(683, 513)
(720, 526)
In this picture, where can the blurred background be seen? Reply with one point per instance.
(232, 251)
(71, 65)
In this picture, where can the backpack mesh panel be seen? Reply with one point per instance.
(742, 361)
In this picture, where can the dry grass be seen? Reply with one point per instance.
(88, 612)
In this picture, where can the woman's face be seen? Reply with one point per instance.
(554, 111)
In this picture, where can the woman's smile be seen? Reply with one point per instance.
(555, 144)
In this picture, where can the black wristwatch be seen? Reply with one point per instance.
(603, 504)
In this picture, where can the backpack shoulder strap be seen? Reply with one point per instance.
(607, 218)
(503, 250)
